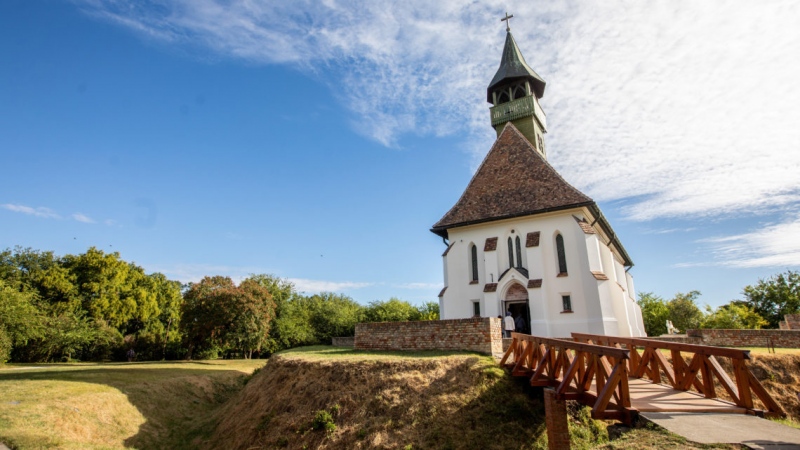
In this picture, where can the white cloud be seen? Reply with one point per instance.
(45, 213)
(685, 108)
(418, 286)
(776, 245)
(312, 286)
(82, 218)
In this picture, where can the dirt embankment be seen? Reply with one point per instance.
(452, 402)
(780, 376)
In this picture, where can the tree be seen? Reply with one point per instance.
(219, 316)
(734, 315)
(684, 312)
(20, 320)
(392, 310)
(654, 313)
(775, 297)
(429, 311)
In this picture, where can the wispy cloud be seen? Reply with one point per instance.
(312, 286)
(686, 108)
(45, 213)
(775, 245)
(82, 218)
(418, 286)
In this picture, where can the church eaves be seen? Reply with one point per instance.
(513, 180)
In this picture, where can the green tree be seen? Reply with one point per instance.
(20, 320)
(734, 315)
(684, 312)
(654, 313)
(775, 297)
(429, 311)
(392, 310)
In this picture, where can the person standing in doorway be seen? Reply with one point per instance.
(508, 325)
(519, 323)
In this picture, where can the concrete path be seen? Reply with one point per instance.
(754, 432)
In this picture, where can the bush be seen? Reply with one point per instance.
(5, 346)
(323, 421)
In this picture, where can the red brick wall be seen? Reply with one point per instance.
(478, 335)
(746, 338)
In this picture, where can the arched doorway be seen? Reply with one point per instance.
(516, 301)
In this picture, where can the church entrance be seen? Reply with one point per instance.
(516, 302)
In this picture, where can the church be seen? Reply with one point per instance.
(522, 240)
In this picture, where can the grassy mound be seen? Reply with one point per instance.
(321, 398)
(87, 406)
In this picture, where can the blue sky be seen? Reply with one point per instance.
(319, 141)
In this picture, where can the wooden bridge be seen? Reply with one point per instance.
(611, 375)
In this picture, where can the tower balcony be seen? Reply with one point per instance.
(517, 109)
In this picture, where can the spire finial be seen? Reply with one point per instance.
(507, 20)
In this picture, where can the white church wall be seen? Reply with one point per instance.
(593, 302)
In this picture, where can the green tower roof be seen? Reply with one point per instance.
(513, 66)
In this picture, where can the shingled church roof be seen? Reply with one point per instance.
(515, 180)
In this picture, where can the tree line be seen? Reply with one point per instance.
(96, 306)
(765, 304)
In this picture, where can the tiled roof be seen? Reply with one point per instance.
(513, 180)
(585, 226)
(490, 245)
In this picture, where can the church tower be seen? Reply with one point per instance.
(514, 93)
(523, 241)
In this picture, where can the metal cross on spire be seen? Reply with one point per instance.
(507, 20)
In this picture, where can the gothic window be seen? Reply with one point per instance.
(519, 92)
(562, 257)
(510, 252)
(474, 255)
(503, 97)
(541, 144)
(566, 302)
(519, 253)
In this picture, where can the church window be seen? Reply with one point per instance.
(519, 253)
(510, 252)
(474, 258)
(503, 97)
(566, 302)
(519, 92)
(562, 257)
(541, 144)
(476, 308)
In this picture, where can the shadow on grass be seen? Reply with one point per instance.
(177, 401)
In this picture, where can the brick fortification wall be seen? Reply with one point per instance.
(739, 338)
(790, 322)
(342, 341)
(480, 335)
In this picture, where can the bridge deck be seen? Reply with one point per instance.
(650, 397)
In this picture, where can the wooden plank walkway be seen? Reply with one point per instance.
(610, 374)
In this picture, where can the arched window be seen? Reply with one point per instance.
(503, 97)
(510, 252)
(519, 253)
(474, 251)
(519, 92)
(562, 257)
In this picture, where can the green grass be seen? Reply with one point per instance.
(114, 405)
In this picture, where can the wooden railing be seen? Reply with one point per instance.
(699, 373)
(593, 374)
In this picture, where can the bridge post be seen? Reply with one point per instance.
(556, 421)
